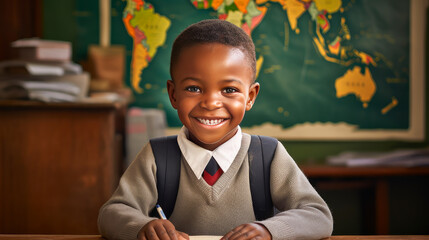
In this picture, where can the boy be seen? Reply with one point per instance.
(213, 84)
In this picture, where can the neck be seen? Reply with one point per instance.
(212, 146)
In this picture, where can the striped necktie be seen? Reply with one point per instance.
(212, 172)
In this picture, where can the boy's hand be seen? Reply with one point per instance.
(248, 231)
(160, 229)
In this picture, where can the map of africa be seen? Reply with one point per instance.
(322, 64)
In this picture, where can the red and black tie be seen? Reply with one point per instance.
(212, 172)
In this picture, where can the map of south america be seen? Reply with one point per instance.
(149, 31)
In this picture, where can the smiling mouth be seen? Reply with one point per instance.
(210, 122)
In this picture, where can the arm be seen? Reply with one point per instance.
(304, 214)
(126, 214)
(127, 211)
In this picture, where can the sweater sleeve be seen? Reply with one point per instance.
(127, 211)
(303, 213)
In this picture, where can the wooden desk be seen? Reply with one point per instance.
(98, 237)
(375, 179)
(58, 164)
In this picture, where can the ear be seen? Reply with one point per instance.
(171, 91)
(253, 93)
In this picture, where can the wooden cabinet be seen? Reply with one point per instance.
(58, 164)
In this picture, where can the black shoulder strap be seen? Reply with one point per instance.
(167, 158)
(261, 153)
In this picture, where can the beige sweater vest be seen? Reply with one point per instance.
(202, 209)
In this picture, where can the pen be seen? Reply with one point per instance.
(160, 212)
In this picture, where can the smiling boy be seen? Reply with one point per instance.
(212, 88)
(213, 70)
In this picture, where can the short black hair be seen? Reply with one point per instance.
(214, 31)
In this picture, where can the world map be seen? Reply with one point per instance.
(329, 63)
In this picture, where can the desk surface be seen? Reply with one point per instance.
(98, 237)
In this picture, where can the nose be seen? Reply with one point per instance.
(211, 101)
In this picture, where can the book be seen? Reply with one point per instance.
(17, 67)
(41, 49)
(81, 81)
(51, 96)
(41, 91)
(37, 68)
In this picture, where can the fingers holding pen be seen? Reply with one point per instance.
(166, 230)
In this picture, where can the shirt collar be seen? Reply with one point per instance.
(198, 157)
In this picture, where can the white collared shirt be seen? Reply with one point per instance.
(198, 157)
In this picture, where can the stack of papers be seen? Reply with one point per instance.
(404, 158)
(204, 237)
(42, 91)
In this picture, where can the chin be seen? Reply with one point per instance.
(209, 141)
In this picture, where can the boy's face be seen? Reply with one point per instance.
(211, 90)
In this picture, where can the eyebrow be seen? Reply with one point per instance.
(221, 82)
(232, 80)
(189, 78)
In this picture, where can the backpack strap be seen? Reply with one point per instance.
(261, 153)
(167, 158)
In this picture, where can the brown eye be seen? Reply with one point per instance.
(193, 89)
(230, 90)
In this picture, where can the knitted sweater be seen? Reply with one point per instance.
(202, 209)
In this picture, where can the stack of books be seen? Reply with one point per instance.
(44, 72)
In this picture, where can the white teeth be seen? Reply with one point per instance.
(210, 122)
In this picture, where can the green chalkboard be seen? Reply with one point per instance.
(329, 69)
